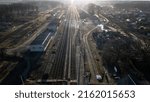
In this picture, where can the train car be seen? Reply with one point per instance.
(41, 43)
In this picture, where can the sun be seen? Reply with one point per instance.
(72, 1)
(81, 2)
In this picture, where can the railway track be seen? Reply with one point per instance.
(60, 67)
(57, 69)
(63, 66)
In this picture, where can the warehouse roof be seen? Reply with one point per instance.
(42, 38)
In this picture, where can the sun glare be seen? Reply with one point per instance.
(72, 1)
(81, 2)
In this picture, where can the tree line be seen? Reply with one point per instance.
(10, 11)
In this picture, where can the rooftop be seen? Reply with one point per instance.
(42, 38)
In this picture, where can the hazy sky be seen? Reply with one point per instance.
(69, 0)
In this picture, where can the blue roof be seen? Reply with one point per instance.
(42, 38)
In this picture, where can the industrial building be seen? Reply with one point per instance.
(53, 25)
(41, 43)
(52, 28)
